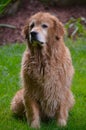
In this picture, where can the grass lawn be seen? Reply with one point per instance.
(10, 63)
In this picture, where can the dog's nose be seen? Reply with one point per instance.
(33, 35)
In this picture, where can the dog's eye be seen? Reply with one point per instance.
(32, 25)
(44, 26)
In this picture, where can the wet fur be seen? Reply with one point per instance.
(46, 75)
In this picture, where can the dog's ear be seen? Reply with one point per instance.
(60, 31)
(25, 31)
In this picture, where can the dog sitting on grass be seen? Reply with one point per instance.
(46, 73)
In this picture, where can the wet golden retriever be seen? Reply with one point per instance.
(46, 72)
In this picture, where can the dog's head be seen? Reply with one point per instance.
(43, 28)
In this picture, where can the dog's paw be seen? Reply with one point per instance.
(35, 124)
(62, 122)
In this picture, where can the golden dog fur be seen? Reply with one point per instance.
(46, 74)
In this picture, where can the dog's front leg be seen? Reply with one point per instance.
(32, 111)
(62, 115)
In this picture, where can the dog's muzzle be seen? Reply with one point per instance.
(37, 37)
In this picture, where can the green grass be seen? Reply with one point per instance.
(10, 62)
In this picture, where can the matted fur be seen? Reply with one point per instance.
(46, 75)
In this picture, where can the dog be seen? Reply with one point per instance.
(46, 72)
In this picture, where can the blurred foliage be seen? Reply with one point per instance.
(76, 27)
(9, 7)
(3, 5)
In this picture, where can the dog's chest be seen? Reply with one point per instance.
(36, 68)
(43, 88)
